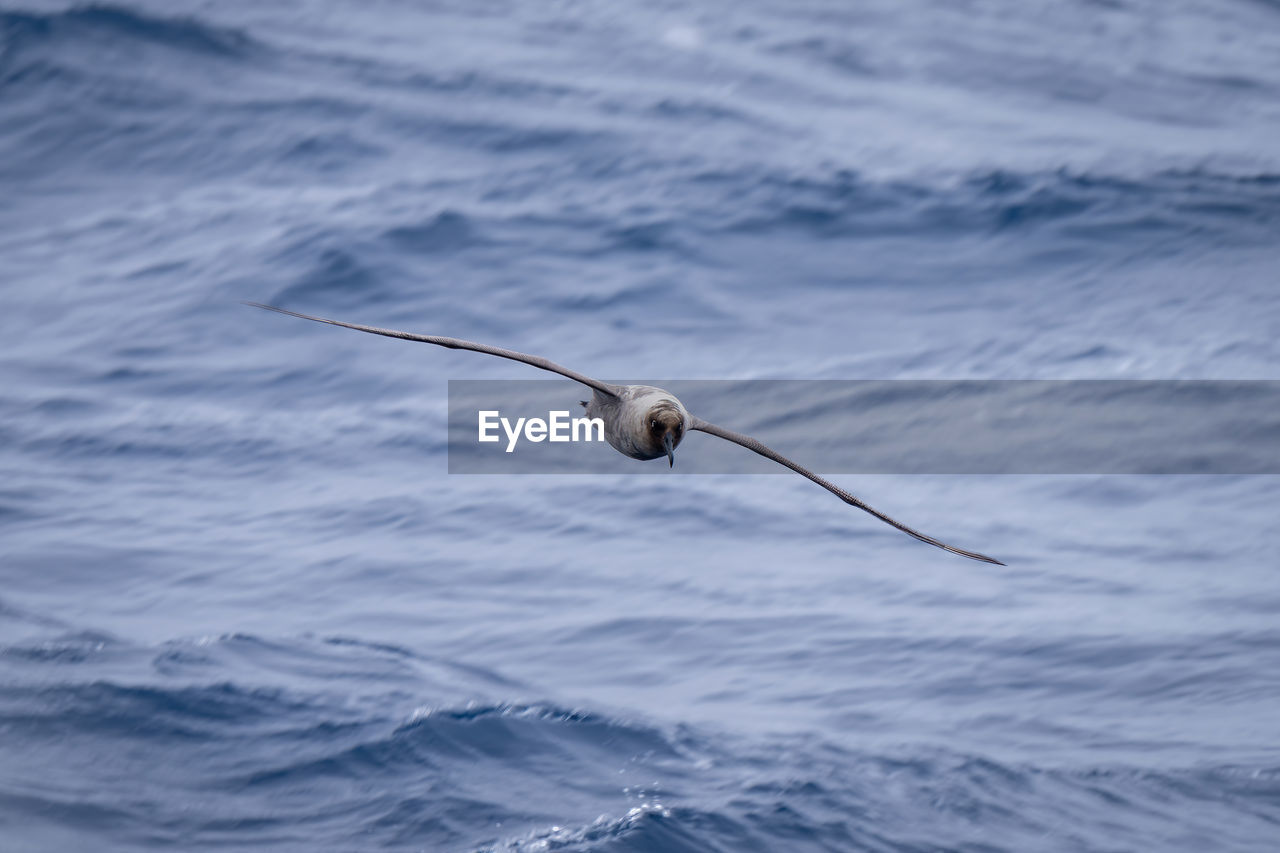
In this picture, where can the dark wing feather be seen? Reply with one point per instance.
(457, 343)
(754, 445)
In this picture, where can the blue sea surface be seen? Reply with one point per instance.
(243, 605)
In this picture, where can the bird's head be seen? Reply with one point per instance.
(664, 423)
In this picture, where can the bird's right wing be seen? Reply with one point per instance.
(759, 447)
(458, 343)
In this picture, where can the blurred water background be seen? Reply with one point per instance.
(244, 606)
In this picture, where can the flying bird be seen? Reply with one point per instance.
(641, 421)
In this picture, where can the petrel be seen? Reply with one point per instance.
(641, 421)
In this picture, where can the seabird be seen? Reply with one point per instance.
(641, 421)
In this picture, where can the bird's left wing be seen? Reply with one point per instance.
(457, 343)
(759, 447)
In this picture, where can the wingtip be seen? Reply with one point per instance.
(277, 309)
(972, 555)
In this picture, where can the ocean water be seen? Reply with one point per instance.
(244, 605)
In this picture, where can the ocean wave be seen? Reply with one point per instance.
(440, 740)
(75, 648)
(645, 827)
(72, 28)
(489, 728)
(447, 231)
(106, 708)
(1073, 204)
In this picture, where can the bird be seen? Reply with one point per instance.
(640, 421)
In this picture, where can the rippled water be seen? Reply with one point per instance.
(243, 605)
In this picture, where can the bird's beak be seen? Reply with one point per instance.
(669, 443)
